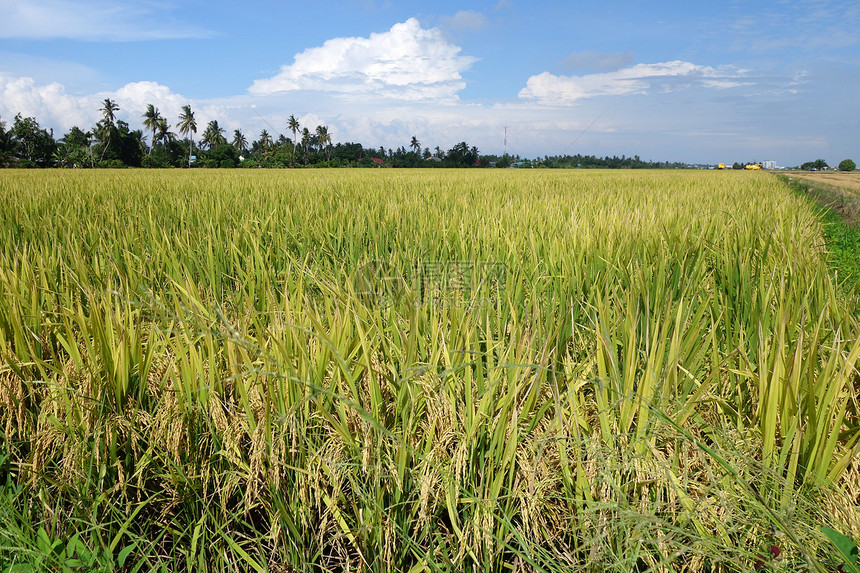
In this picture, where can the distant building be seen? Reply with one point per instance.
(768, 164)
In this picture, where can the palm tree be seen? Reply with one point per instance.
(306, 140)
(415, 145)
(264, 144)
(151, 117)
(265, 139)
(164, 133)
(218, 132)
(324, 140)
(293, 125)
(137, 137)
(187, 125)
(214, 135)
(108, 109)
(240, 142)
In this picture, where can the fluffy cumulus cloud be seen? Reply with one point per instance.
(48, 103)
(407, 62)
(53, 107)
(547, 88)
(134, 98)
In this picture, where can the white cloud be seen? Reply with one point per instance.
(407, 63)
(662, 126)
(92, 20)
(49, 104)
(531, 128)
(723, 84)
(547, 88)
(134, 98)
(53, 107)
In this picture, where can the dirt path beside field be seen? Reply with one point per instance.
(849, 181)
(837, 191)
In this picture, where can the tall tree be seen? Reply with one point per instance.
(324, 140)
(188, 126)
(240, 142)
(74, 148)
(264, 145)
(132, 144)
(214, 135)
(293, 125)
(108, 109)
(76, 137)
(306, 141)
(163, 133)
(415, 145)
(265, 139)
(151, 117)
(32, 144)
(7, 145)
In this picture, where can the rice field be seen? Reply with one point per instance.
(436, 370)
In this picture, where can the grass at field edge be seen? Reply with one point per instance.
(840, 213)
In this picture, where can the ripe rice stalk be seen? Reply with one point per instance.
(607, 370)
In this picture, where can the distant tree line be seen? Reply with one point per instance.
(821, 165)
(614, 162)
(112, 143)
(817, 165)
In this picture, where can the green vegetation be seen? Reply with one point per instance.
(847, 548)
(843, 246)
(111, 143)
(421, 371)
(579, 161)
(25, 144)
(817, 165)
(840, 213)
(847, 165)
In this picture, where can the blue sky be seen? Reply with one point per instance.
(694, 82)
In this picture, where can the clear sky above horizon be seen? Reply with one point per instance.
(694, 82)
